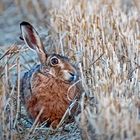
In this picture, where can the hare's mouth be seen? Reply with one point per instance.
(70, 77)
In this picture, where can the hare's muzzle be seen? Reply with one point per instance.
(69, 76)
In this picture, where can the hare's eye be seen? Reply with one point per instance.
(54, 61)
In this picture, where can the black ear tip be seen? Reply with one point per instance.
(21, 38)
(24, 23)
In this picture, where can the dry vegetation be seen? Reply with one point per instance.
(103, 38)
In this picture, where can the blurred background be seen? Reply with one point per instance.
(39, 12)
(12, 12)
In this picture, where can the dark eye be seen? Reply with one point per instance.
(54, 61)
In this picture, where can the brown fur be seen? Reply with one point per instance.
(52, 95)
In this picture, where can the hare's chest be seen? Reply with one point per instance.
(51, 88)
(49, 95)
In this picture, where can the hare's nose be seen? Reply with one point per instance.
(72, 77)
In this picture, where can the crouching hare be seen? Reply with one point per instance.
(48, 89)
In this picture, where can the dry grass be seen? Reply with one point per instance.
(103, 38)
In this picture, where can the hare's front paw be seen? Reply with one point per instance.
(54, 124)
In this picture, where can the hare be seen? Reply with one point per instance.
(48, 89)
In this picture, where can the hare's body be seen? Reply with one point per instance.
(48, 89)
(46, 93)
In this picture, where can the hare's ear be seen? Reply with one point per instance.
(32, 40)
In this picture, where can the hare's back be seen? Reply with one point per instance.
(26, 91)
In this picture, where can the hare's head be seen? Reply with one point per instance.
(56, 65)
